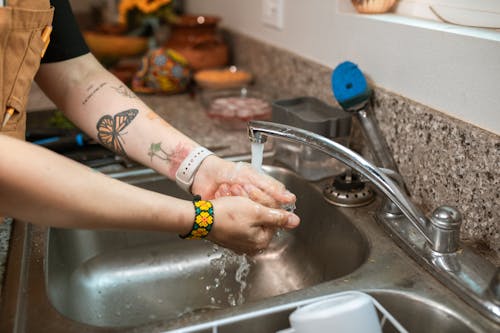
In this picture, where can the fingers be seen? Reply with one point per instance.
(259, 196)
(277, 218)
(248, 191)
(224, 190)
(217, 177)
(273, 189)
(246, 226)
(245, 175)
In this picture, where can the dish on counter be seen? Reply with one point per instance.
(477, 18)
(230, 77)
(373, 6)
(233, 108)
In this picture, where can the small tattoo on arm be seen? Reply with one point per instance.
(155, 150)
(92, 90)
(124, 91)
(110, 130)
(174, 158)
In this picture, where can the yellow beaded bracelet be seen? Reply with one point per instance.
(203, 219)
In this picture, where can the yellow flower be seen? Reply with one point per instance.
(149, 6)
(145, 6)
(123, 8)
(199, 233)
(204, 219)
(203, 205)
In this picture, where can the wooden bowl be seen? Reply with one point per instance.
(222, 78)
(104, 45)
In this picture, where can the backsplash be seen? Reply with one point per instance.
(443, 160)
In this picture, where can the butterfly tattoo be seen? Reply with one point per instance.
(110, 129)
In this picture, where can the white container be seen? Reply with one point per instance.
(343, 313)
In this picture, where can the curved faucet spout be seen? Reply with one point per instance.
(258, 130)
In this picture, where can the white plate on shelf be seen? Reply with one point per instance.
(467, 17)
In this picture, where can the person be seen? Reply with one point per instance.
(237, 207)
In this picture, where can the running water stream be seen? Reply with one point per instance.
(224, 264)
(257, 155)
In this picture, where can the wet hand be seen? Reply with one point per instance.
(219, 178)
(245, 226)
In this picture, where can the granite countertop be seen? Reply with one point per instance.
(4, 246)
(186, 114)
(183, 111)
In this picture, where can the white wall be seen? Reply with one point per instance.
(451, 69)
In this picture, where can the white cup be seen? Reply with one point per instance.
(343, 313)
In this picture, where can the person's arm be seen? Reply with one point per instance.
(39, 186)
(106, 109)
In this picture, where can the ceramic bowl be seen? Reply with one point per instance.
(373, 6)
(233, 108)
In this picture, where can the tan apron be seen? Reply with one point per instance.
(24, 29)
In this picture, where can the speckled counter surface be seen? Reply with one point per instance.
(4, 246)
(186, 114)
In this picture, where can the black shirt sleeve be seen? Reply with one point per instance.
(66, 40)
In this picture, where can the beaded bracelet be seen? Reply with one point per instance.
(203, 219)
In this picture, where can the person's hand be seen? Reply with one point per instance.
(245, 226)
(218, 178)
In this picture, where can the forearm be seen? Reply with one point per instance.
(59, 192)
(107, 110)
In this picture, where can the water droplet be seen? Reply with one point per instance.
(231, 300)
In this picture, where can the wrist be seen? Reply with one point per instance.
(203, 220)
(188, 168)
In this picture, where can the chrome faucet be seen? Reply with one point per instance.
(433, 242)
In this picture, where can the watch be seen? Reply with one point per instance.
(184, 176)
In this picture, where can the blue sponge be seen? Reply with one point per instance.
(349, 86)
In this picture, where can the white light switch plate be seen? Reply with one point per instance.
(273, 13)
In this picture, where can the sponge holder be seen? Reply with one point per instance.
(314, 115)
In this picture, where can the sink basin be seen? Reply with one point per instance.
(418, 314)
(124, 278)
(414, 313)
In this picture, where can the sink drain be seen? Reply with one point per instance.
(347, 190)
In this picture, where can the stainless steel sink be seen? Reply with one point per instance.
(122, 278)
(413, 312)
(82, 281)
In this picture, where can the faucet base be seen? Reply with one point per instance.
(347, 190)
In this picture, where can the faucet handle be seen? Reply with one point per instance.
(445, 229)
(390, 208)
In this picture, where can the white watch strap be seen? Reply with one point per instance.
(184, 176)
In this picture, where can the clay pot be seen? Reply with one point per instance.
(197, 39)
